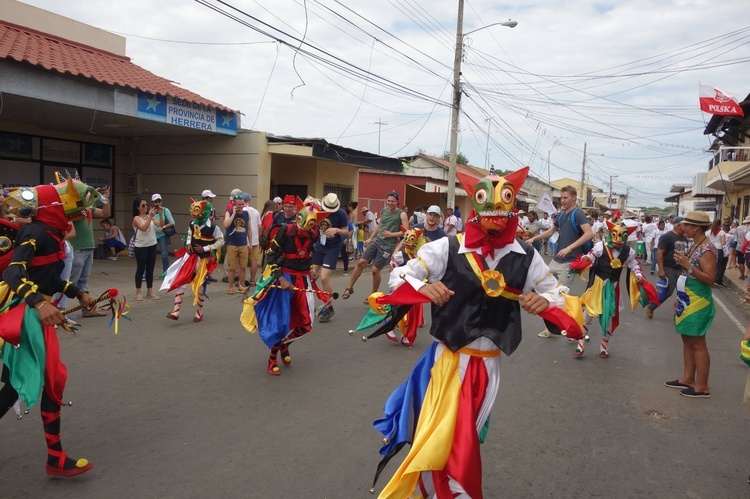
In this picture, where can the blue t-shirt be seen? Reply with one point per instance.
(237, 232)
(336, 220)
(431, 235)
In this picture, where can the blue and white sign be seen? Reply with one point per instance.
(185, 113)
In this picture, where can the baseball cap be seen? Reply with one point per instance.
(155, 197)
(434, 209)
(277, 199)
(289, 199)
(393, 194)
(208, 194)
(682, 219)
(235, 192)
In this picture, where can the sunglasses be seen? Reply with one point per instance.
(143, 206)
(157, 201)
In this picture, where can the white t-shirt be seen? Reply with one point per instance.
(370, 222)
(254, 225)
(451, 220)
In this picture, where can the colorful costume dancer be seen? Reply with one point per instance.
(478, 283)
(28, 340)
(282, 307)
(414, 318)
(602, 297)
(196, 260)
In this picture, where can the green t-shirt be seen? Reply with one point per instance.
(390, 222)
(84, 235)
(167, 220)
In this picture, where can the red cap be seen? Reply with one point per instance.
(289, 199)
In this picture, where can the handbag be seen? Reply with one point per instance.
(131, 246)
(169, 231)
(349, 247)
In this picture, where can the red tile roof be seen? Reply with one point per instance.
(65, 56)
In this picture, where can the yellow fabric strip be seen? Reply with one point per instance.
(635, 292)
(434, 435)
(479, 353)
(17, 263)
(199, 279)
(31, 242)
(67, 285)
(592, 298)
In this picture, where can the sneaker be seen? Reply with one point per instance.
(225, 279)
(326, 316)
(690, 392)
(544, 334)
(676, 384)
(113, 258)
(345, 273)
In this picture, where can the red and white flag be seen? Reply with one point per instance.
(714, 101)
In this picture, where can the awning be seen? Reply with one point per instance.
(526, 199)
(432, 187)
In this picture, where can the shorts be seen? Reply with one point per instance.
(235, 254)
(254, 255)
(326, 256)
(559, 269)
(378, 254)
(741, 259)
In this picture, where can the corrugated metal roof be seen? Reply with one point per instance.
(67, 57)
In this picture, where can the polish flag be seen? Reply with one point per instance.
(714, 101)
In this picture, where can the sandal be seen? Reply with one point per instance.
(347, 293)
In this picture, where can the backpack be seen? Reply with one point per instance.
(588, 244)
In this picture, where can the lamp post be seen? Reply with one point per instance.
(457, 96)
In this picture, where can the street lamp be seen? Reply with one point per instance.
(457, 96)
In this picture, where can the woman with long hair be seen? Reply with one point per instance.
(144, 225)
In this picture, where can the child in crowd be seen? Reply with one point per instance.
(113, 239)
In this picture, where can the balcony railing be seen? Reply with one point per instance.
(729, 154)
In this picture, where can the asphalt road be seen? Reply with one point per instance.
(177, 409)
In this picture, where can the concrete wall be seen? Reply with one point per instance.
(63, 27)
(179, 168)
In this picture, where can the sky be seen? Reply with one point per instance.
(618, 78)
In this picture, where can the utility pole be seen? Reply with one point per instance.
(380, 124)
(609, 199)
(583, 177)
(549, 176)
(487, 149)
(456, 105)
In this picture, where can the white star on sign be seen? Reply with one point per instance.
(152, 103)
(227, 119)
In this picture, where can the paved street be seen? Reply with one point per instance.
(177, 409)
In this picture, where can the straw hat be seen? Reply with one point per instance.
(697, 218)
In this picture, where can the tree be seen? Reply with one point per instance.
(460, 158)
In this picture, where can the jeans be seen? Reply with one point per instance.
(145, 258)
(721, 266)
(65, 275)
(82, 261)
(653, 258)
(163, 243)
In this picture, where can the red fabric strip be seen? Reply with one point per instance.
(55, 372)
(465, 462)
